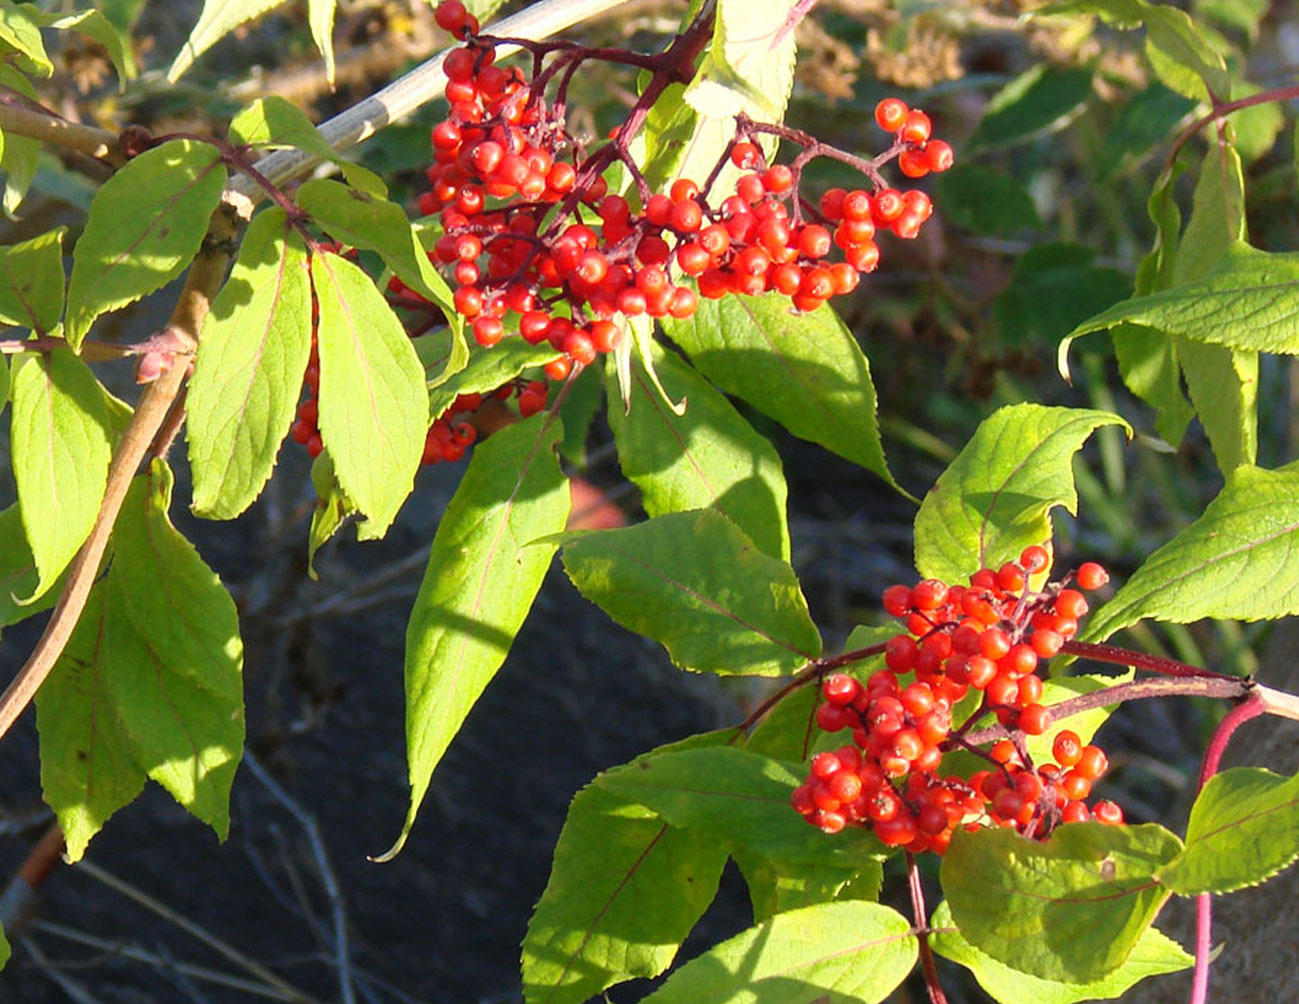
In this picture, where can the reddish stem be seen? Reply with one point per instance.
(930, 969)
(1140, 660)
(1251, 707)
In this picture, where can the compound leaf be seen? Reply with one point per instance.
(1235, 561)
(695, 583)
(804, 370)
(1071, 909)
(373, 404)
(60, 456)
(1154, 954)
(710, 456)
(145, 225)
(1242, 832)
(995, 498)
(31, 282)
(852, 952)
(248, 371)
(624, 891)
(483, 574)
(738, 797)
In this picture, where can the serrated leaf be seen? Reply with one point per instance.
(1242, 832)
(20, 30)
(320, 18)
(695, 583)
(88, 768)
(710, 456)
(218, 19)
(834, 953)
(749, 65)
(738, 797)
(483, 574)
(805, 370)
(996, 497)
(31, 282)
(275, 122)
(331, 511)
(248, 371)
(145, 225)
(1070, 909)
(1234, 562)
(178, 687)
(1154, 954)
(624, 891)
(149, 685)
(60, 456)
(372, 400)
(95, 25)
(1040, 101)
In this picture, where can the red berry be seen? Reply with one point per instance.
(916, 128)
(1035, 719)
(778, 178)
(1107, 812)
(1067, 748)
(939, 155)
(1034, 559)
(1091, 576)
(891, 114)
(1092, 763)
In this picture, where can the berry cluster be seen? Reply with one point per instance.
(535, 242)
(985, 638)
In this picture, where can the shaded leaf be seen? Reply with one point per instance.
(1070, 909)
(486, 370)
(18, 577)
(145, 225)
(805, 370)
(20, 31)
(248, 371)
(1241, 833)
(695, 583)
(985, 200)
(995, 498)
(710, 456)
(1042, 100)
(834, 953)
(1154, 954)
(331, 510)
(776, 887)
(483, 573)
(60, 456)
(31, 282)
(372, 400)
(92, 23)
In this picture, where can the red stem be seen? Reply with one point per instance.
(1140, 660)
(1251, 707)
(936, 995)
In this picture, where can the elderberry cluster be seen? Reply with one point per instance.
(535, 242)
(987, 638)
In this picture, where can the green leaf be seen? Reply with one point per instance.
(695, 583)
(804, 370)
(320, 17)
(145, 225)
(1086, 723)
(20, 31)
(624, 891)
(60, 456)
(149, 685)
(483, 574)
(1234, 562)
(92, 23)
(1154, 954)
(985, 200)
(1258, 126)
(1053, 288)
(88, 766)
(1241, 833)
(1070, 909)
(737, 797)
(21, 153)
(1146, 121)
(710, 456)
(18, 576)
(248, 371)
(996, 497)
(749, 66)
(776, 887)
(331, 511)
(219, 18)
(373, 404)
(834, 953)
(177, 679)
(4, 949)
(275, 122)
(487, 370)
(31, 282)
(1040, 101)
